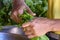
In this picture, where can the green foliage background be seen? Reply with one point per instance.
(39, 7)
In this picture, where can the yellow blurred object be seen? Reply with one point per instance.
(57, 32)
(54, 10)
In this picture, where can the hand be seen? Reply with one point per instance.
(18, 7)
(37, 27)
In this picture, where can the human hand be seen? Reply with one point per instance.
(37, 27)
(18, 8)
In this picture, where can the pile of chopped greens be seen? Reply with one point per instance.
(25, 18)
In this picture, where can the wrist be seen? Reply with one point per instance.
(55, 25)
(51, 26)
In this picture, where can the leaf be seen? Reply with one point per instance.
(44, 37)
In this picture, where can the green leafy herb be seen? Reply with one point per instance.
(44, 37)
(25, 17)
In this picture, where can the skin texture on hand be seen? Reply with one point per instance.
(56, 25)
(18, 8)
(37, 27)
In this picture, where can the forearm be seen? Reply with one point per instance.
(56, 25)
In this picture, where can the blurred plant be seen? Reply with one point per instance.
(40, 7)
(44, 37)
(5, 11)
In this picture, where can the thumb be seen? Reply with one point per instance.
(26, 24)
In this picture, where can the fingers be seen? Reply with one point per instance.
(31, 36)
(33, 14)
(29, 10)
(30, 33)
(26, 24)
(28, 29)
(21, 9)
(15, 17)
